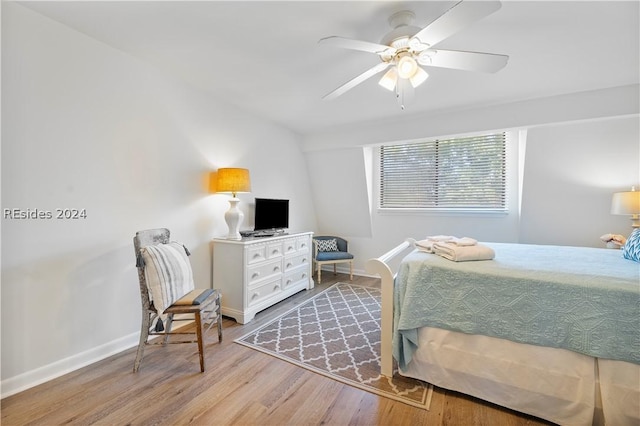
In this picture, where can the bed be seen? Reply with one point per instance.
(550, 331)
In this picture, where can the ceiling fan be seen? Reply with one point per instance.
(407, 47)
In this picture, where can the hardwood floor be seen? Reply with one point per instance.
(240, 386)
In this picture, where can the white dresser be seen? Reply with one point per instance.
(255, 273)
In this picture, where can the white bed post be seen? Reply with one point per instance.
(380, 267)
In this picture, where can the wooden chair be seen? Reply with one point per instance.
(200, 305)
(331, 250)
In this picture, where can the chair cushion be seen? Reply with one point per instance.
(168, 273)
(327, 245)
(631, 249)
(194, 297)
(333, 255)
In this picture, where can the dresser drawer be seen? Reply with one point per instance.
(290, 246)
(302, 245)
(274, 250)
(264, 291)
(256, 253)
(295, 261)
(294, 277)
(257, 273)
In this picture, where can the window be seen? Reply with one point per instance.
(467, 174)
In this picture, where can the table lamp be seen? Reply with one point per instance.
(627, 203)
(234, 181)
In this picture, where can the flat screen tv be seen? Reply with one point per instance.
(271, 214)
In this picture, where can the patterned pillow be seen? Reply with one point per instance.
(631, 249)
(168, 273)
(327, 245)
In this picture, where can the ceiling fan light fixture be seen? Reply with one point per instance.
(407, 67)
(406, 48)
(419, 77)
(388, 80)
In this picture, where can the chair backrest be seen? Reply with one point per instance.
(343, 245)
(142, 239)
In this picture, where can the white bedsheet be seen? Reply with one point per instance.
(554, 384)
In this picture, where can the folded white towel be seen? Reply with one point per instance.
(426, 245)
(464, 241)
(441, 238)
(459, 253)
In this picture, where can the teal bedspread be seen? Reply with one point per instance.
(586, 300)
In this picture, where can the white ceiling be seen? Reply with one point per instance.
(264, 56)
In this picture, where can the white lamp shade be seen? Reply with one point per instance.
(388, 80)
(419, 77)
(625, 203)
(407, 67)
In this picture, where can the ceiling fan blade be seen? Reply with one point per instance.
(459, 60)
(357, 80)
(365, 46)
(461, 15)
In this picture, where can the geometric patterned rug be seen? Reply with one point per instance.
(337, 334)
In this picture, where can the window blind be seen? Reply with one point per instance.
(462, 173)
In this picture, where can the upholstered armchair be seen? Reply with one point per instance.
(331, 250)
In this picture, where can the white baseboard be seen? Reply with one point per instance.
(59, 368)
(345, 270)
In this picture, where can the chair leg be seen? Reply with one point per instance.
(219, 312)
(199, 335)
(144, 335)
(167, 328)
(335, 269)
(319, 274)
(351, 270)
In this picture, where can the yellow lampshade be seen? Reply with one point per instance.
(233, 180)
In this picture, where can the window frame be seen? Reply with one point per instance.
(512, 180)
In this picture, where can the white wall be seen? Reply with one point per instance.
(571, 172)
(580, 148)
(86, 126)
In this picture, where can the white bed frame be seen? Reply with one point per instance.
(380, 266)
(587, 391)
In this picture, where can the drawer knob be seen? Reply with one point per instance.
(276, 269)
(255, 275)
(256, 294)
(275, 287)
(289, 265)
(256, 255)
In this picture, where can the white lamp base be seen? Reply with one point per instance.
(234, 217)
